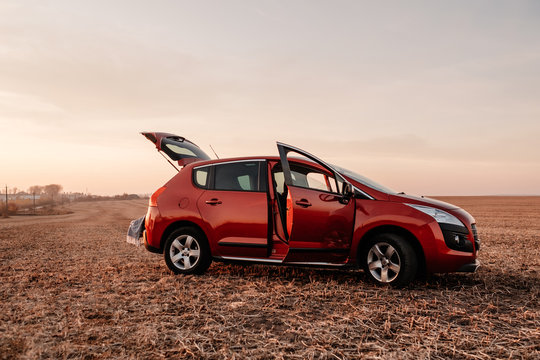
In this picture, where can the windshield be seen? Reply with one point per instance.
(364, 180)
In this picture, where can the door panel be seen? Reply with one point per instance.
(322, 217)
(239, 221)
(322, 230)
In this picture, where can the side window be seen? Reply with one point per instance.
(317, 181)
(299, 179)
(200, 176)
(307, 177)
(239, 176)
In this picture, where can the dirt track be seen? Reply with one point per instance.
(73, 288)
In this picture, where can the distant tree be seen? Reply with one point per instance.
(14, 190)
(52, 190)
(36, 189)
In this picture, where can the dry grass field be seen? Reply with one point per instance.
(72, 288)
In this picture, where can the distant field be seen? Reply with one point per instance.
(73, 288)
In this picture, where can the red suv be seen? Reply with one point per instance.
(295, 209)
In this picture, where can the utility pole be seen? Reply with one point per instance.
(6, 214)
(34, 194)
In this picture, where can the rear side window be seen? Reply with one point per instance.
(201, 176)
(239, 176)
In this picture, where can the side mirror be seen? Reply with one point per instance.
(348, 190)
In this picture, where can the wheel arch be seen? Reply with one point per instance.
(393, 229)
(176, 225)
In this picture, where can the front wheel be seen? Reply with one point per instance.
(186, 251)
(389, 259)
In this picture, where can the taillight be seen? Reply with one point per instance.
(154, 197)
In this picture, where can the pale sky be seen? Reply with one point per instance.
(427, 97)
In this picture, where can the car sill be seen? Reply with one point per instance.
(275, 261)
(236, 244)
(314, 263)
(233, 258)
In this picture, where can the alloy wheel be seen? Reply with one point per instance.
(383, 262)
(185, 252)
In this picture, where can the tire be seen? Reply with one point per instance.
(388, 259)
(186, 251)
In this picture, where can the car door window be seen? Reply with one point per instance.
(289, 157)
(298, 179)
(317, 180)
(239, 176)
(306, 177)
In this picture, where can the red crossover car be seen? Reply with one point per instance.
(295, 209)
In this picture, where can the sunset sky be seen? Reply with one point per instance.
(426, 97)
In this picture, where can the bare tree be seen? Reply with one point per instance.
(36, 189)
(52, 190)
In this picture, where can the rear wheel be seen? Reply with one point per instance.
(389, 259)
(186, 251)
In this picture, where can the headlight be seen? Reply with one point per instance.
(440, 216)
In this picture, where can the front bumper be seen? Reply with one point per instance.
(470, 268)
(460, 257)
(457, 238)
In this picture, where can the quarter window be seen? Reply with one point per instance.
(200, 176)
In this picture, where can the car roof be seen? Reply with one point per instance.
(248, 158)
(233, 159)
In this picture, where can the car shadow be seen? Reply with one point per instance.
(484, 279)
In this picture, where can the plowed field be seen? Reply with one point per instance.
(73, 288)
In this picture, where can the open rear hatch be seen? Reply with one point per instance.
(177, 148)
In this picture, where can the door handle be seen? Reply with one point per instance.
(213, 201)
(303, 203)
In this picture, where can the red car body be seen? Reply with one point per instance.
(302, 211)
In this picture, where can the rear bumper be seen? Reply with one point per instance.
(470, 268)
(153, 230)
(148, 246)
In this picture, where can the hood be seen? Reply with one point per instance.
(410, 199)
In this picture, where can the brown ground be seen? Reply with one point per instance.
(73, 288)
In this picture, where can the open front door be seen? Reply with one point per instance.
(319, 216)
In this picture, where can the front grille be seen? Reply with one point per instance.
(476, 239)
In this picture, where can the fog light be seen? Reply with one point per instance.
(457, 240)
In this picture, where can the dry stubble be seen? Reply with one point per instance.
(73, 288)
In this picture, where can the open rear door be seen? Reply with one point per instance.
(320, 212)
(176, 147)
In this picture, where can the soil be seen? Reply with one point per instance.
(73, 288)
